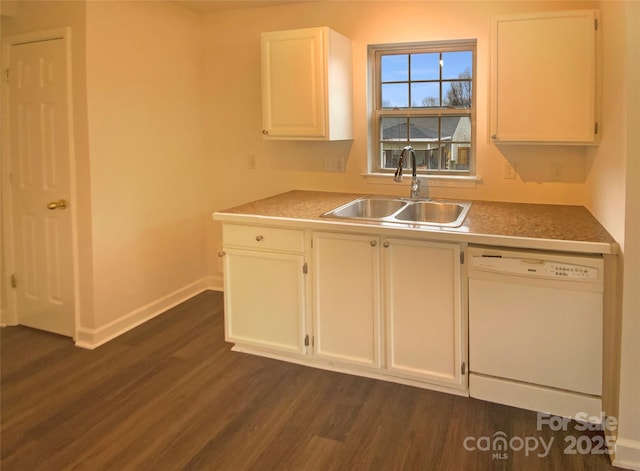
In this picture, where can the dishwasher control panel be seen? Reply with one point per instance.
(535, 267)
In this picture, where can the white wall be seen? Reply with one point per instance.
(614, 198)
(144, 92)
(628, 450)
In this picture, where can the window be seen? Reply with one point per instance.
(424, 97)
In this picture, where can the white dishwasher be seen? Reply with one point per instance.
(535, 330)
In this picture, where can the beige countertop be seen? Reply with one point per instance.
(536, 226)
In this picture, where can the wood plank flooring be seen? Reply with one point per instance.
(170, 395)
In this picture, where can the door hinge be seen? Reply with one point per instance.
(463, 368)
(6, 75)
(595, 128)
(462, 258)
(595, 24)
(306, 340)
(14, 282)
(305, 269)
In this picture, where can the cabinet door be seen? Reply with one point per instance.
(423, 310)
(264, 299)
(293, 83)
(543, 78)
(346, 298)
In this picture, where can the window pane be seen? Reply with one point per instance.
(395, 95)
(460, 156)
(456, 94)
(395, 68)
(391, 155)
(425, 95)
(393, 129)
(455, 64)
(423, 130)
(456, 129)
(425, 66)
(434, 157)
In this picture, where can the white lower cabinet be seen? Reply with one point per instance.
(398, 296)
(264, 288)
(389, 308)
(346, 299)
(423, 310)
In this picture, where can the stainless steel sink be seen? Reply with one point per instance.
(383, 209)
(434, 212)
(368, 207)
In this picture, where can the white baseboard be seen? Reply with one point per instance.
(627, 454)
(93, 338)
(215, 283)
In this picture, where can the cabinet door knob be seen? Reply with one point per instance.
(264, 131)
(373, 243)
(385, 245)
(494, 137)
(259, 238)
(221, 254)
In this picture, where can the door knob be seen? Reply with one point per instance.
(61, 204)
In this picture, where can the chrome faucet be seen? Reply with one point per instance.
(415, 183)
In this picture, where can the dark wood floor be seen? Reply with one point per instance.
(170, 395)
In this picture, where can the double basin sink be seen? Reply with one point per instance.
(403, 210)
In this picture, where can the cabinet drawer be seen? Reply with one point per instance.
(265, 238)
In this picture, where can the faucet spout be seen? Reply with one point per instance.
(415, 183)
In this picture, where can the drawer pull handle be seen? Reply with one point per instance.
(259, 238)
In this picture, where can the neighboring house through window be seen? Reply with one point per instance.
(424, 97)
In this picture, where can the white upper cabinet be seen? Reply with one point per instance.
(544, 78)
(306, 85)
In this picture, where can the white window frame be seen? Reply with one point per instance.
(376, 112)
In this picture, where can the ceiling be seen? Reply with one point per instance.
(212, 6)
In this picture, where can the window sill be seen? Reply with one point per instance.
(433, 181)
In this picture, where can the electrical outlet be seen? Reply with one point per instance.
(333, 164)
(509, 170)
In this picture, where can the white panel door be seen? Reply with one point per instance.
(40, 176)
(424, 312)
(346, 298)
